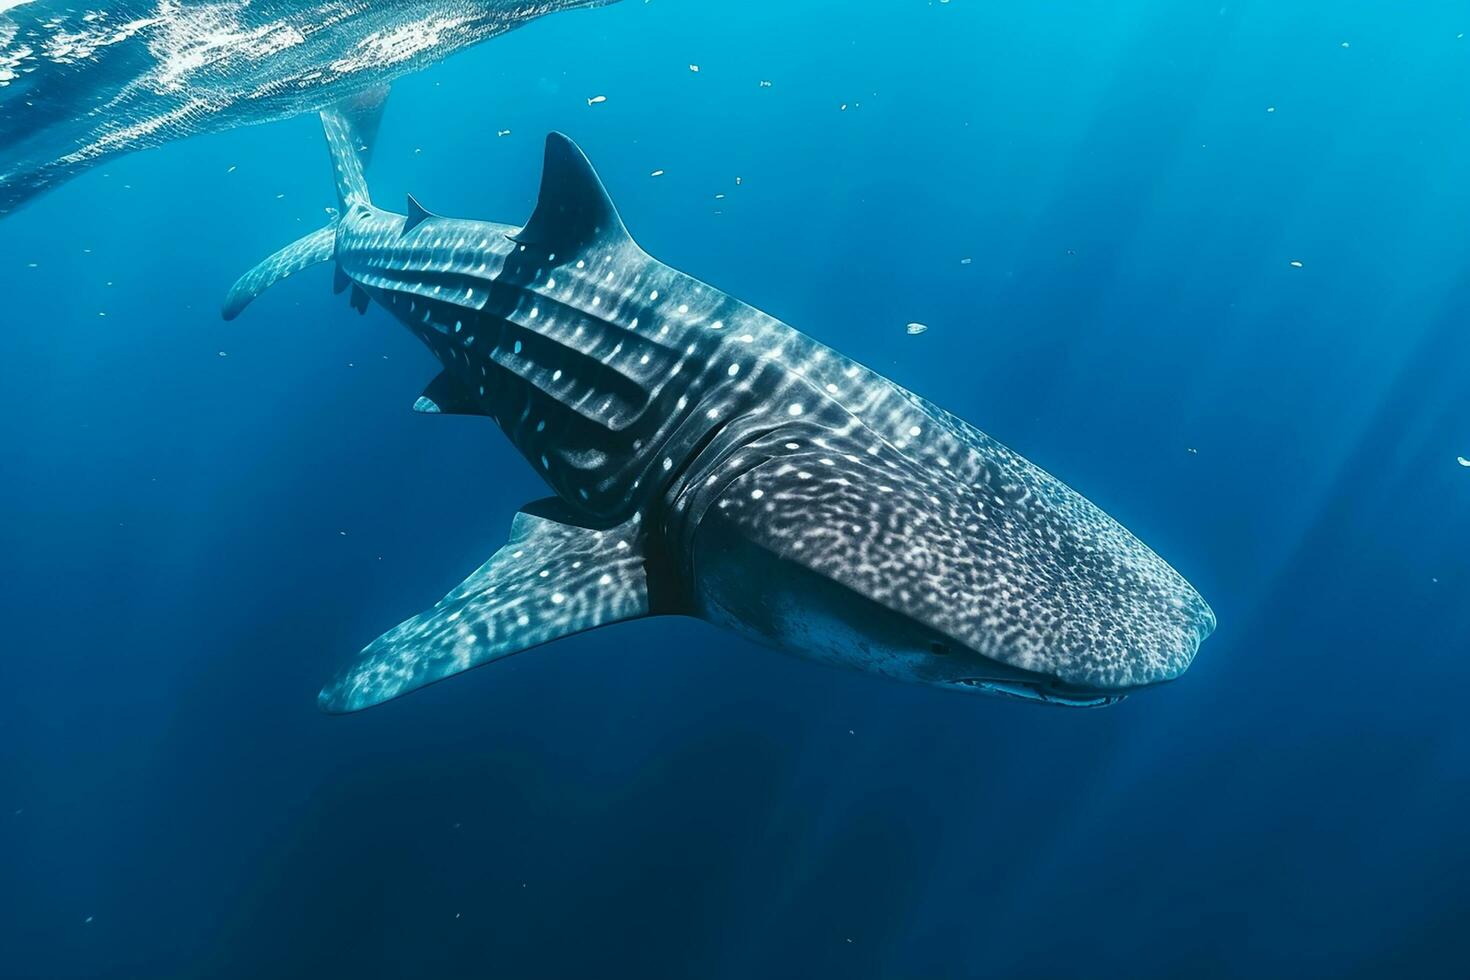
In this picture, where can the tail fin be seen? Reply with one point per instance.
(319, 246)
(351, 126)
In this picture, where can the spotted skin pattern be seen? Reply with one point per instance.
(549, 580)
(712, 441)
(301, 254)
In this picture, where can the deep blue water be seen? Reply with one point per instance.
(193, 542)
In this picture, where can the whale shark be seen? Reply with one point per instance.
(706, 459)
(80, 83)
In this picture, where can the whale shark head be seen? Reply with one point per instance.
(994, 579)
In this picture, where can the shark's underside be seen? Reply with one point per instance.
(709, 460)
(80, 83)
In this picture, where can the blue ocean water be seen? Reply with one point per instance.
(1218, 281)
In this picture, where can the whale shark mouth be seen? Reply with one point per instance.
(1023, 691)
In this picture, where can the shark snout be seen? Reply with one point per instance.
(1089, 664)
(1161, 643)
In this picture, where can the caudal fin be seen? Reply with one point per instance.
(319, 246)
(351, 127)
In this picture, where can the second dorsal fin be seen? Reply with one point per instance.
(416, 214)
(573, 209)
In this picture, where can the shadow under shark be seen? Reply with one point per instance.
(83, 82)
(711, 461)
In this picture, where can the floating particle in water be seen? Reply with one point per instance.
(966, 260)
(914, 329)
(657, 173)
(1192, 451)
(502, 132)
(719, 197)
(1270, 108)
(1462, 461)
(737, 181)
(1346, 45)
(231, 170)
(1295, 263)
(765, 83)
(597, 100)
(223, 354)
(88, 920)
(694, 68)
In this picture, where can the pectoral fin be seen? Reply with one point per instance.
(552, 578)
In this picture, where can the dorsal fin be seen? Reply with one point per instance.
(573, 209)
(416, 213)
